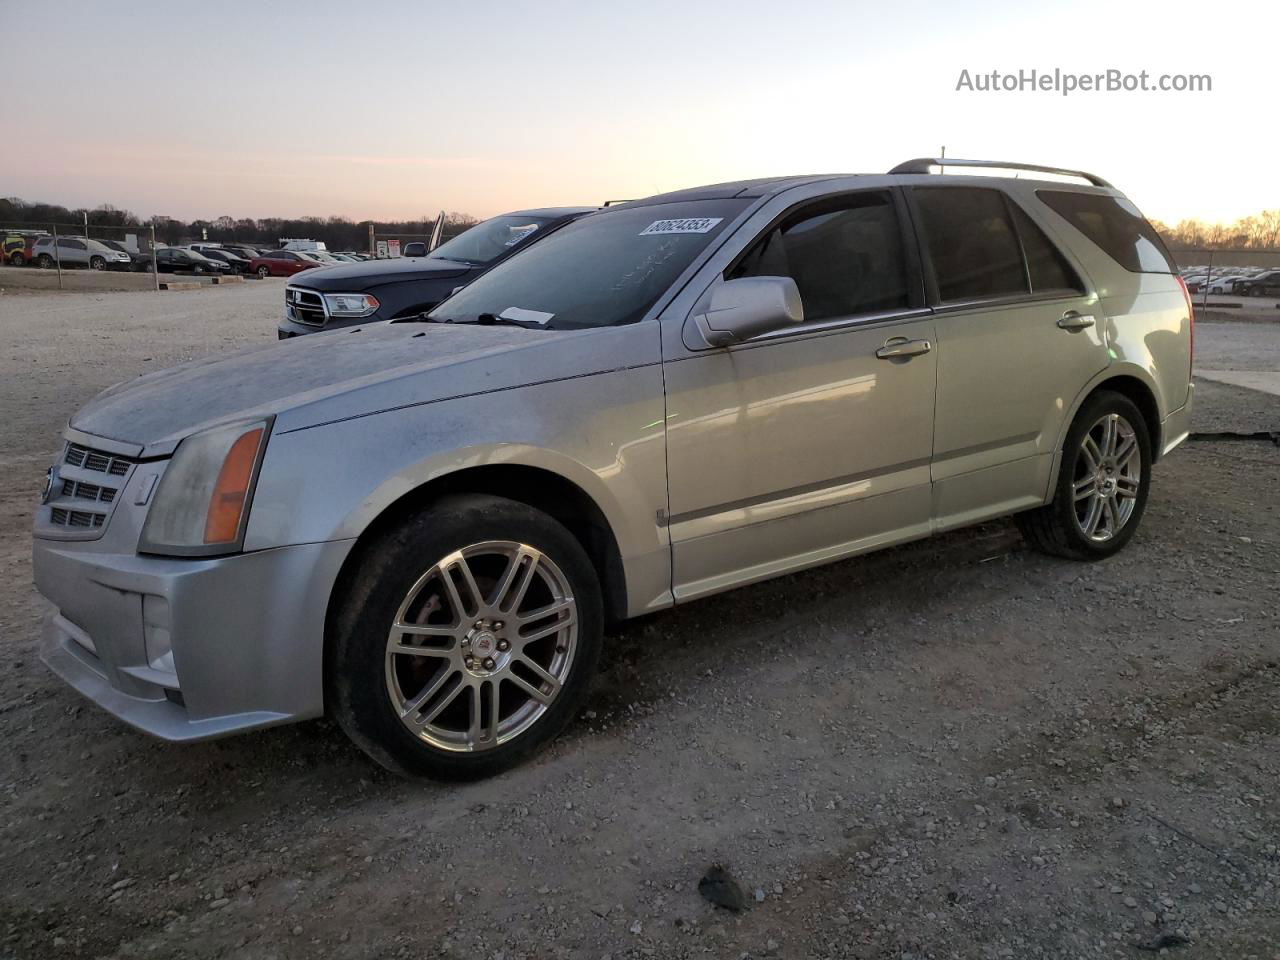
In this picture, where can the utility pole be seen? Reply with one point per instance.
(155, 270)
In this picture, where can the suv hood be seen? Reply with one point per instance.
(356, 277)
(332, 376)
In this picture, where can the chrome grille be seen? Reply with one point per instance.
(86, 488)
(87, 491)
(79, 456)
(304, 306)
(61, 517)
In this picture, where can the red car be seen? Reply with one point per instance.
(281, 263)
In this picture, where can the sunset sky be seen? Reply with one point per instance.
(392, 110)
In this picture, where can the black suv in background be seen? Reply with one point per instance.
(1263, 285)
(353, 293)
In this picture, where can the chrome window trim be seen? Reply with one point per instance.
(832, 325)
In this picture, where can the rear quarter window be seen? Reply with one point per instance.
(1114, 225)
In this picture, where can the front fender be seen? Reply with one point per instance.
(603, 433)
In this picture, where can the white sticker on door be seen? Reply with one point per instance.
(687, 225)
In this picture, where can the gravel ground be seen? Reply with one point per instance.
(956, 748)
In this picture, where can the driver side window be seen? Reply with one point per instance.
(844, 253)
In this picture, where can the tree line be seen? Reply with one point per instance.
(1258, 232)
(109, 222)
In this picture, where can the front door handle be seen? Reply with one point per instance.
(1075, 321)
(900, 348)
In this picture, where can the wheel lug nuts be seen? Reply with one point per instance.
(469, 661)
(503, 645)
(489, 663)
(498, 625)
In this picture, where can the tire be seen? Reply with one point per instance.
(44, 261)
(1060, 528)
(97, 263)
(476, 636)
(264, 272)
(1255, 291)
(17, 259)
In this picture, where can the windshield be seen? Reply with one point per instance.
(489, 240)
(606, 269)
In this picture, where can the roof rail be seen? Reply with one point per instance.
(923, 165)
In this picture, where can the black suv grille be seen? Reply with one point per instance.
(304, 306)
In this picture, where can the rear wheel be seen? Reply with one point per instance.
(467, 640)
(17, 259)
(44, 261)
(1103, 482)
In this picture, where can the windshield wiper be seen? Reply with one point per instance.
(482, 320)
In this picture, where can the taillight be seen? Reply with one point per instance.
(1191, 319)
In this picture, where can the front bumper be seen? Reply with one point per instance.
(191, 649)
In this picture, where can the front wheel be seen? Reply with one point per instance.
(467, 639)
(17, 259)
(263, 273)
(1103, 481)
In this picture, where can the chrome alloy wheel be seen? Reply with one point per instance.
(481, 646)
(1108, 476)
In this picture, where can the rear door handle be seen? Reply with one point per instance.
(1075, 321)
(901, 348)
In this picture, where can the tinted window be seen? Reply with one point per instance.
(971, 242)
(71, 244)
(1048, 267)
(845, 256)
(1115, 225)
(606, 269)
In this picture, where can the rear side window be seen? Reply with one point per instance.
(845, 255)
(1047, 267)
(971, 242)
(1115, 225)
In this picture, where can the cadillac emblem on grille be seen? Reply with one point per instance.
(47, 492)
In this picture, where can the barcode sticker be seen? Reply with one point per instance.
(687, 225)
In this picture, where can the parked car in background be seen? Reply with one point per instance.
(242, 250)
(1266, 284)
(79, 252)
(138, 262)
(282, 263)
(182, 260)
(1195, 281)
(18, 247)
(421, 528)
(406, 286)
(1225, 285)
(235, 263)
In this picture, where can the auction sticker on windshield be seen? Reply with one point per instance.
(687, 225)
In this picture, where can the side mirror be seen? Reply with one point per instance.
(415, 249)
(749, 306)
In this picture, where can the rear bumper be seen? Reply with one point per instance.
(1177, 426)
(191, 649)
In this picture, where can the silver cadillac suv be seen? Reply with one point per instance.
(421, 528)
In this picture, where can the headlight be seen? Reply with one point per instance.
(202, 504)
(350, 304)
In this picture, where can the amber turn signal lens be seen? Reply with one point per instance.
(230, 493)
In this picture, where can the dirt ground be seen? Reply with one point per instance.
(953, 749)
